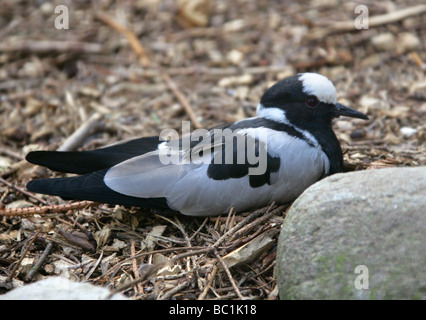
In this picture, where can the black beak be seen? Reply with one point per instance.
(341, 110)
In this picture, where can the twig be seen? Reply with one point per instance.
(155, 268)
(187, 240)
(48, 46)
(176, 289)
(39, 263)
(182, 99)
(94, 266)
(210, 278)
(201, 70)
(228, 273)
(345, 26)
(230, 295)
(23, 192)
(199, 229)
(130, 36)
(87, 129)
(12, 274)
(228, 218)
(11, 154)
(139, 287)
(256, 222)
(167, 250)
(178, 225)
(417, 60)
(14, 167)
(242, 223)
(47, 209)
(3, 196)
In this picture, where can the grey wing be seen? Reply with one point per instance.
(183, 178)
(159, 173)
(146, 176)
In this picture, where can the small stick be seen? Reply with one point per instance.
(88, 275)
(389, 17)
(178, 225)
(199, 229)
(242, 223)
(130, 36)
(50, 46)
(39, 263)
(86, 130)
(417, 60)
(256, 222)
(139, 287)
(182, 99)
(188, 242)
(13, 168)
(4, 195)
(9, 278)
(228, 273)
(228, 218)
(47, 209)
(11, 154)
(155, 268)
(22, 191)
(344, 26)
(176, 289)
(209, 283)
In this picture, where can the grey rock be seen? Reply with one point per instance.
(59, 288)
(371, 218)
(383, 41)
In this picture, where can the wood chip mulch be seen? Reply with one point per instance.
(133, 68)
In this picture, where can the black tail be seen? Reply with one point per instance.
(91, 187)
(82, 162)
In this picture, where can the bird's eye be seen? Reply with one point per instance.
(312, 102)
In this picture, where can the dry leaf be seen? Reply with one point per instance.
(117, 245)
(250, 250)
(194, 13)
(102, 236)
(159, 259)
(150, 241)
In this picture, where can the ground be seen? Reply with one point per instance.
(133, 68)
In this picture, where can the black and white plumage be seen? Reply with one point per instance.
(293, 128)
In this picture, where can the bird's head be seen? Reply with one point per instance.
(304, 100)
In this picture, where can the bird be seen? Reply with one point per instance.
(291, 137)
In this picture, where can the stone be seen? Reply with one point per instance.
(357, 235)
(408, 42)
(383, 41)
(59, 288)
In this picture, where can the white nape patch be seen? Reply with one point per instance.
(319, 86)
(278, 115)
(274, 114)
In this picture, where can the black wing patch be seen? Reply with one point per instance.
(236, 164)
(82, 162)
